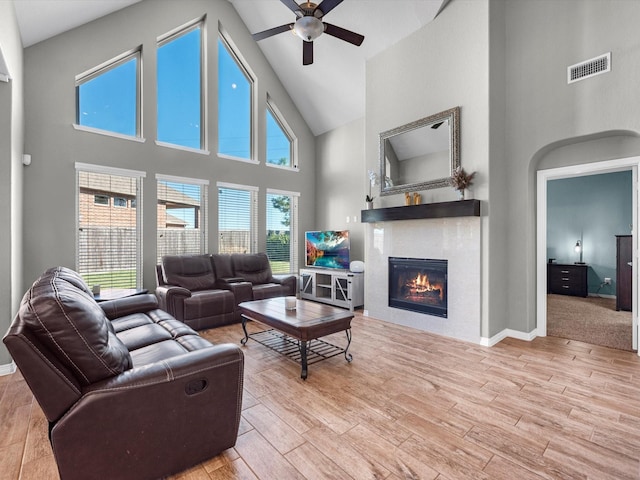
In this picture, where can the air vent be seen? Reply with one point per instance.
(589, 68)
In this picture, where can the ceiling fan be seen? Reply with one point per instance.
(310, 26)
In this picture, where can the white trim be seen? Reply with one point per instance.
(8, 369)
(107, 133)
(238, 159)
(274, 191)
(543, 176)
(173, 178)
(237, 186)
(284, 125)
(5, 76)
(123, 172)
(507, 332)
(282, 167)
(182, 147)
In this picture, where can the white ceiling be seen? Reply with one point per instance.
(329, 93)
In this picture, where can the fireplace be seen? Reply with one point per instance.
(418, 285)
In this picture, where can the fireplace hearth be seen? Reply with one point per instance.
(418, 285)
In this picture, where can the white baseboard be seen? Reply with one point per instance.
(507, 332)
(602, 295)
(7, 369)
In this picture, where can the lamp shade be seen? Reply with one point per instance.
(308, 28)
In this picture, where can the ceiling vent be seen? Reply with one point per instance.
(589, 68)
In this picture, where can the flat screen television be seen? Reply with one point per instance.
(327, 249)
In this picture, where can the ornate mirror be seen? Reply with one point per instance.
(420, 155)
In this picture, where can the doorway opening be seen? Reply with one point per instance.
(561, 239)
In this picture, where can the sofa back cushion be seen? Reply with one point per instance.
(61, 312)
(193, 272)
(222, 265)
(252, 267)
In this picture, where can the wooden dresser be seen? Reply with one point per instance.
(567, 279)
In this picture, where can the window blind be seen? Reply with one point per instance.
(282, 220)
(108, 242)
(237, 218)
(181, 217)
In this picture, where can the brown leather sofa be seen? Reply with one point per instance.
(129, 391)
(204, 290)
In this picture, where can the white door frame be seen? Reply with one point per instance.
(543, 176)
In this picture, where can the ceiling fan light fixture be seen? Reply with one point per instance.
(308, 28)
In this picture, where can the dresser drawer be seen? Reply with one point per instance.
(567, 279)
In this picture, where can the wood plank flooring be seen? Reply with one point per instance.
(411, 405)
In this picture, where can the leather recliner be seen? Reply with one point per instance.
(129, 391)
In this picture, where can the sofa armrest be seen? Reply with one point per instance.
(171, 299)
(242, 291)
(228, 280)
(126, 306)
(190, 403)
(290, 282)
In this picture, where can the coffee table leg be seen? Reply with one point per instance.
(347, 356)
(244, 340)
(303, 359)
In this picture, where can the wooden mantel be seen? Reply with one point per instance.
(459, 208)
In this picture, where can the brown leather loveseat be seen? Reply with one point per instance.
(129, 391)
(204, 291)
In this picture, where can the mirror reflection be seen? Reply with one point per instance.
(420, 155)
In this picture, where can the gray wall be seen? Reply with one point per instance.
(11, 180)
(544, 113)
(596, 208)
(340, 155)
(50, 68)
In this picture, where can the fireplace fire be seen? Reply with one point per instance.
(419, 285)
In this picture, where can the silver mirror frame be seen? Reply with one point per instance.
(453, 115)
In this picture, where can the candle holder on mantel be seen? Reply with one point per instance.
(416, 198)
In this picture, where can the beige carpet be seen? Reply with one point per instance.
(591, 320)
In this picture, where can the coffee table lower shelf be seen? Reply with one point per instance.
(303, 353)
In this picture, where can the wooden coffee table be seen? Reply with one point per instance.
(296, 333)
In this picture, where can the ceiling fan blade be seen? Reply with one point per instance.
(343, 34)
(291, 5)
(327, 5)
(272, 31)
(307, 53)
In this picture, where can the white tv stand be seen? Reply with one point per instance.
(341, 288)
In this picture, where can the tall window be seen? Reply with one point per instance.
(237, 218)
(108, 96)
(109, 241)
(234, 105)
(282, 231)
(181, 212)
(279, 140)
(180, 94)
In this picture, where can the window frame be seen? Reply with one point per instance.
(294, 261)
(288, 132)
(243, 65)
(204, 206)
(253, 213)
(138, 176)
(104, 68)
(167, 38)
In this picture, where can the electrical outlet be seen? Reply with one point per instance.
(607, 281)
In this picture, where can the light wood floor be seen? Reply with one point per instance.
(411, 405)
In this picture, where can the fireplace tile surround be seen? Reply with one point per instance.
(457, 240)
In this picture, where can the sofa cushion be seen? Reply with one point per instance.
(193, 272)
(67, 319)
(252, 267)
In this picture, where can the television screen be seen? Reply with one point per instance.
(327, 249)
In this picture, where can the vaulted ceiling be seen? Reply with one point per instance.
(329, 93)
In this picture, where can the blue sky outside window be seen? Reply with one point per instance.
(234, 106)
(278, 144)
(109, 101)
(179, 90)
